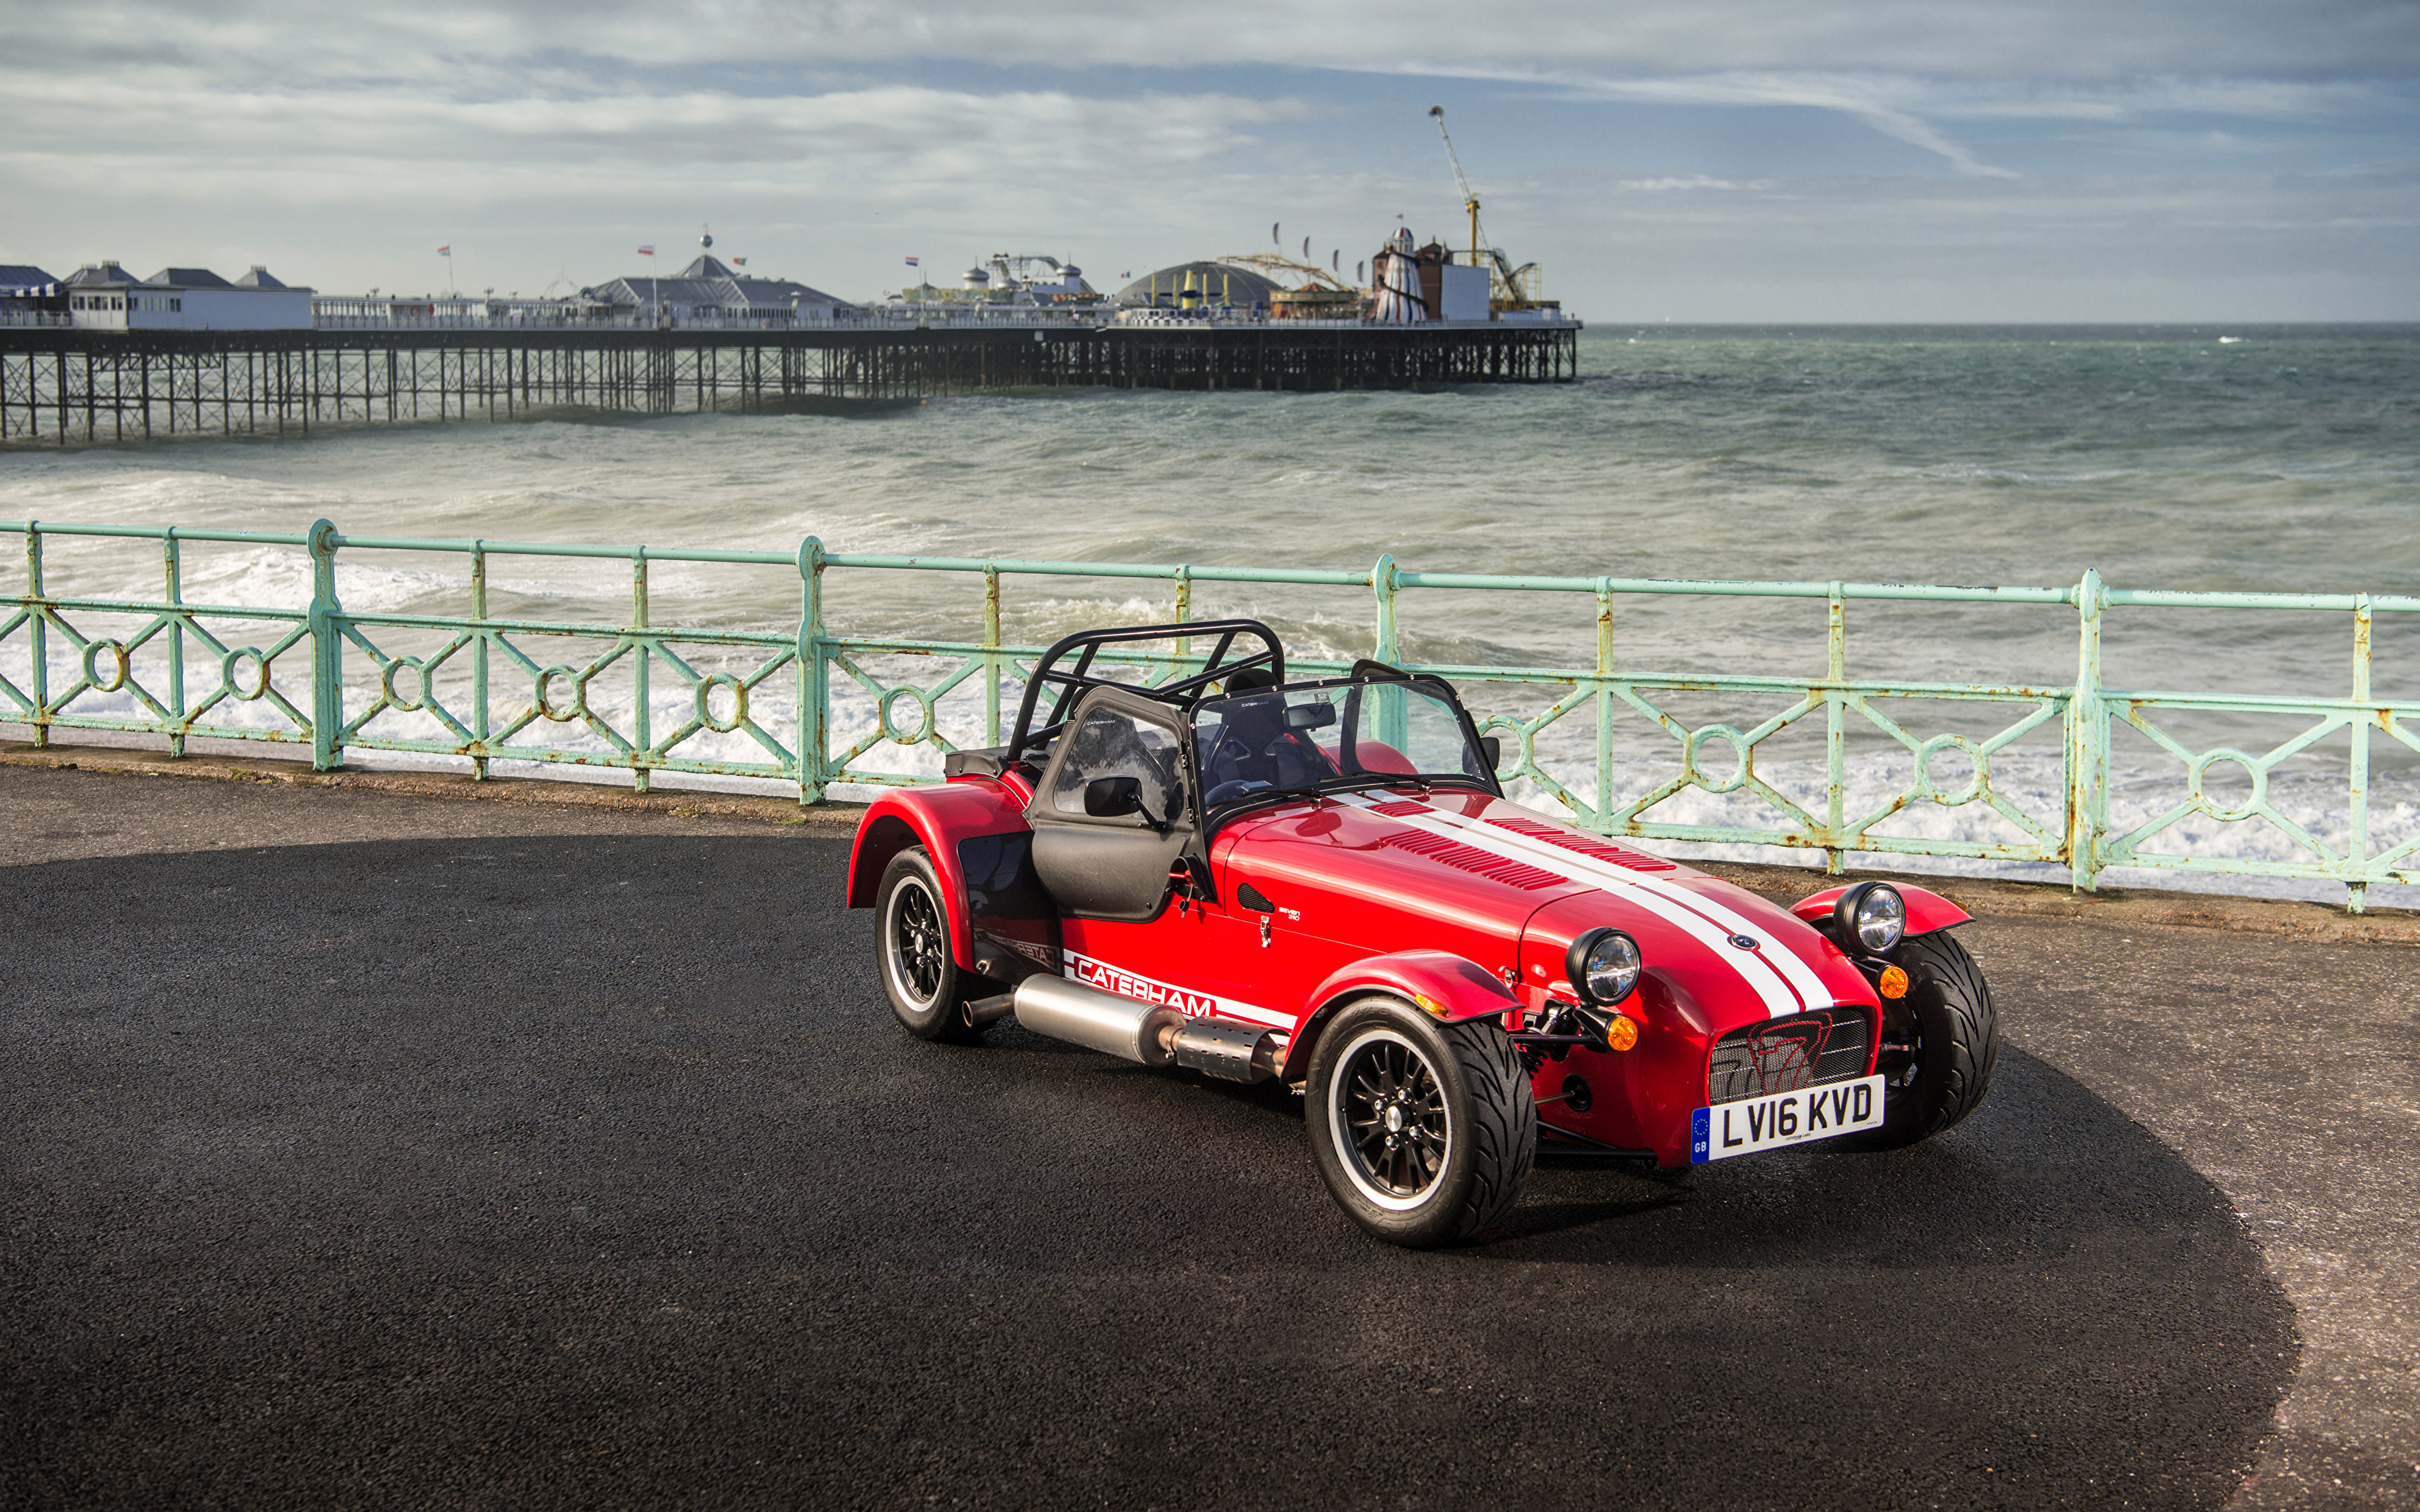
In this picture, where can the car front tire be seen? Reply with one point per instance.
(1425, 1133)
(1958, 1041)
(920, 976)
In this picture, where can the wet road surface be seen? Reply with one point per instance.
(511, 1158)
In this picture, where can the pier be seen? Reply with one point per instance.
(82, 387)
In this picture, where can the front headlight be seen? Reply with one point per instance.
(1872, 916)
(1603, 967)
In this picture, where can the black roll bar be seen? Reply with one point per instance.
(1071, 682)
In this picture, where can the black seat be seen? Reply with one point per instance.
(1255, 747)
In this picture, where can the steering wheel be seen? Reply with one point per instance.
(1230, 747)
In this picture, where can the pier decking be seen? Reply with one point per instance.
(85, 387)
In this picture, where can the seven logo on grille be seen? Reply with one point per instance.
(1816, 1049)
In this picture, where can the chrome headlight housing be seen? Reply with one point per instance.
(1603, 967)
(1871, 916)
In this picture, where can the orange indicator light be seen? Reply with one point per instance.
(1622, 1033)
(1894, 982)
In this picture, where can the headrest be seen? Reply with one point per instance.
(1250, 677)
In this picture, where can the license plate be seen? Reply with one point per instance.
(1755, 1124)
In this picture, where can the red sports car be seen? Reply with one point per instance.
(1323, 882)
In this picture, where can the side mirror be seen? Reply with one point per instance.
(1492, 748)
(1113, 798)
(1309, 716)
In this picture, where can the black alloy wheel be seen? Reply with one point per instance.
(1394, 1118)
(1424, 1132)
(919, 976)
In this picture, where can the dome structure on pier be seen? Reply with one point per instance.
(1190, 285)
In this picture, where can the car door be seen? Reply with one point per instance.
(1106, 864)
(1098, 860)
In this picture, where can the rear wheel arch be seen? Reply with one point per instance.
(890, 832)
(883, 837)
(925, 987)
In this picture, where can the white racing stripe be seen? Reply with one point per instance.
(1780, 981)
(1808, 987)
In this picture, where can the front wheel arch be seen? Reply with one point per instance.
(1958, 1043)
(1449, 987)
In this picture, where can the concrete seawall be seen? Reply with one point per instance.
(383, 1139)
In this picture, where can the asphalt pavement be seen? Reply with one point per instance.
(374, 1150)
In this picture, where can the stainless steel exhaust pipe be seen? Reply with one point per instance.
(1096, 1020)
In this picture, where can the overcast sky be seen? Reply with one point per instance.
(1714, 160)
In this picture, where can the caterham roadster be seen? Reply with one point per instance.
(1238, 875)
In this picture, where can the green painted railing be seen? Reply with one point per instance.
(811, 708)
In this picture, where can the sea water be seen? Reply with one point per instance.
(2217, 457)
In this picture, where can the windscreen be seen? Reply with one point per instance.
(1298, 739)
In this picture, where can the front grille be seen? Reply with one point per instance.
(1830, 1044)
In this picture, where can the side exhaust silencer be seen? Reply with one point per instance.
(1233, 1052)
(1150, 1034)
(1096, 1020)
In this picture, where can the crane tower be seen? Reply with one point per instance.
(1511, 288)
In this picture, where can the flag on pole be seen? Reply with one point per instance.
(913, 263)
(445, 251)
(648, 251)
(738, 262)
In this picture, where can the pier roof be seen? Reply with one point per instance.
(721, 288)
(182, 279)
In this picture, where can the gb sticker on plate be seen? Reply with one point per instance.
(1755, 1124)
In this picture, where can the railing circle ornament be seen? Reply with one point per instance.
(390, 685)
(705, 690)
(1738, 742)
(121, 665)
(2197, 776)
(889, 723)
(543, 694)
(231, 678)
(1976, 779)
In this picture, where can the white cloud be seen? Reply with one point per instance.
(1694, 181)
(1862, 100)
